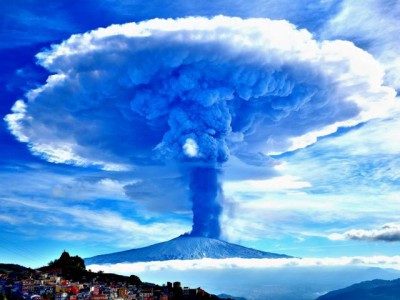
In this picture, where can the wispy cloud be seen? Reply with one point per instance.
(280, 183)
(92, 221)
(373, 25)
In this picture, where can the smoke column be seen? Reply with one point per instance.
(205, 194)
(192, 93)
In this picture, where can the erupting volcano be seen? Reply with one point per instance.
(182, 248)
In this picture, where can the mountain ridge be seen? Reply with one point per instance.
(377, 289)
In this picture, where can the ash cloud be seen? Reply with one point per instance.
(197, 94)
(387, 233)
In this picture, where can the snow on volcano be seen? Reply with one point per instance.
(184, 247)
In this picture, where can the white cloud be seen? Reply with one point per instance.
(19, 111)
(280, 183)
(377, 137)
(374, 25)
(191, 148)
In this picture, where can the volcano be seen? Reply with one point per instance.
(184, 247)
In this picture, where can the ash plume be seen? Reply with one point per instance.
(192, 93)
(206, 192)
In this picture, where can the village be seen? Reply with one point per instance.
(66, 279)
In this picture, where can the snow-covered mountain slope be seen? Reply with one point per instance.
(183, 247)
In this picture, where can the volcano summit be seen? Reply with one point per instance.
(184, 247)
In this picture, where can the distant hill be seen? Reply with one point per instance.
(229, 297)
(7, 268)
(183, 248)
(367, 290)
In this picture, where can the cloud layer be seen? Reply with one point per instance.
(242, 263)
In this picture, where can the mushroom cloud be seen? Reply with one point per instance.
(195, 92)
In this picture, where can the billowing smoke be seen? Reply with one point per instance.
(194, 92)
(205, 191)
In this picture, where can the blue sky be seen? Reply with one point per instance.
(78, 166)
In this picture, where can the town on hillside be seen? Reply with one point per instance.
(66, 278)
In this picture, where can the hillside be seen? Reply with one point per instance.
(7, 268)
(73, 268)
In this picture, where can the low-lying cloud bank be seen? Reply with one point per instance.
(242, 263)
(387, 233)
